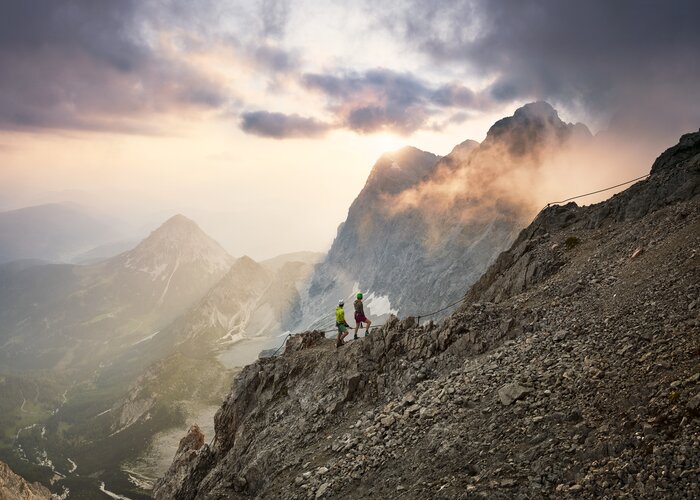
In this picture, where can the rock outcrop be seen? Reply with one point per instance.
(569, 371)
(14, 487)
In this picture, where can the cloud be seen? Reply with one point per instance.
(282, 126)
(382, 99)
(82, 65)
(274, 15)
(633, 61)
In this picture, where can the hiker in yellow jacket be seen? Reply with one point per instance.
(341, 324)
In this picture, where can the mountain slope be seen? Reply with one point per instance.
(251, 302)
(421, 219)
(570, 370)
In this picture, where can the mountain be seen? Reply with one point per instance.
(84, 366)
(251, 302)
(68, 317)
(189, 366)
(52, 232)
(569, 370)
(104, 252)
(422, 219)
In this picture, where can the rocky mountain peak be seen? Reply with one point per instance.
(531, 127)
(178, 227)
(180, 240)
(398, 170)
(464, 147)
(688, 147)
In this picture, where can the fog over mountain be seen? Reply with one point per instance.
(424, 228)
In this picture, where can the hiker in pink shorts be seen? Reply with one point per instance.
(360, 316)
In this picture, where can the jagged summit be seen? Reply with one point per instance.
(179, 221)
(179, 227)
(178, 240)
(532, 127)
(464, 147)
(397, 170)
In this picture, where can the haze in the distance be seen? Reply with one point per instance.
(261, 120)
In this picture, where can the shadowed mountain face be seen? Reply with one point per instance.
(424, 227)
(68, 317)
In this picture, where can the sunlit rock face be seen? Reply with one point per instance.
(425, 227)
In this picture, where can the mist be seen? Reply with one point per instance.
(514, 175)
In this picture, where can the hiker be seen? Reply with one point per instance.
(341, 323)
(360, 316)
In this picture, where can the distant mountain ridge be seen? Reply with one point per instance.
(52, 232)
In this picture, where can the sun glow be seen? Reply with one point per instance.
(387, 142)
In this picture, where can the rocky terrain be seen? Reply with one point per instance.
(13, 487)
(422, 219)
(570, 370)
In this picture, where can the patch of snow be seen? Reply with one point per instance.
(231, 338)
(379, 305)
(149, 337)
(64, 495)
(73, 466)
(43, 433)
(106, 411)
(44, 460)
(111, 493)
(167, 285)
(139, 480)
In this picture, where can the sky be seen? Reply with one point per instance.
(261, 119)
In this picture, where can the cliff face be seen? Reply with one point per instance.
(14, 487)
(570, 370)
(422, 219)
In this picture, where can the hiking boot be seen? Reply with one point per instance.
(355, 337)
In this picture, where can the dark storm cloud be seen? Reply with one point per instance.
(282, 126)
(91, 65)
(384, 99)
(636, 59)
